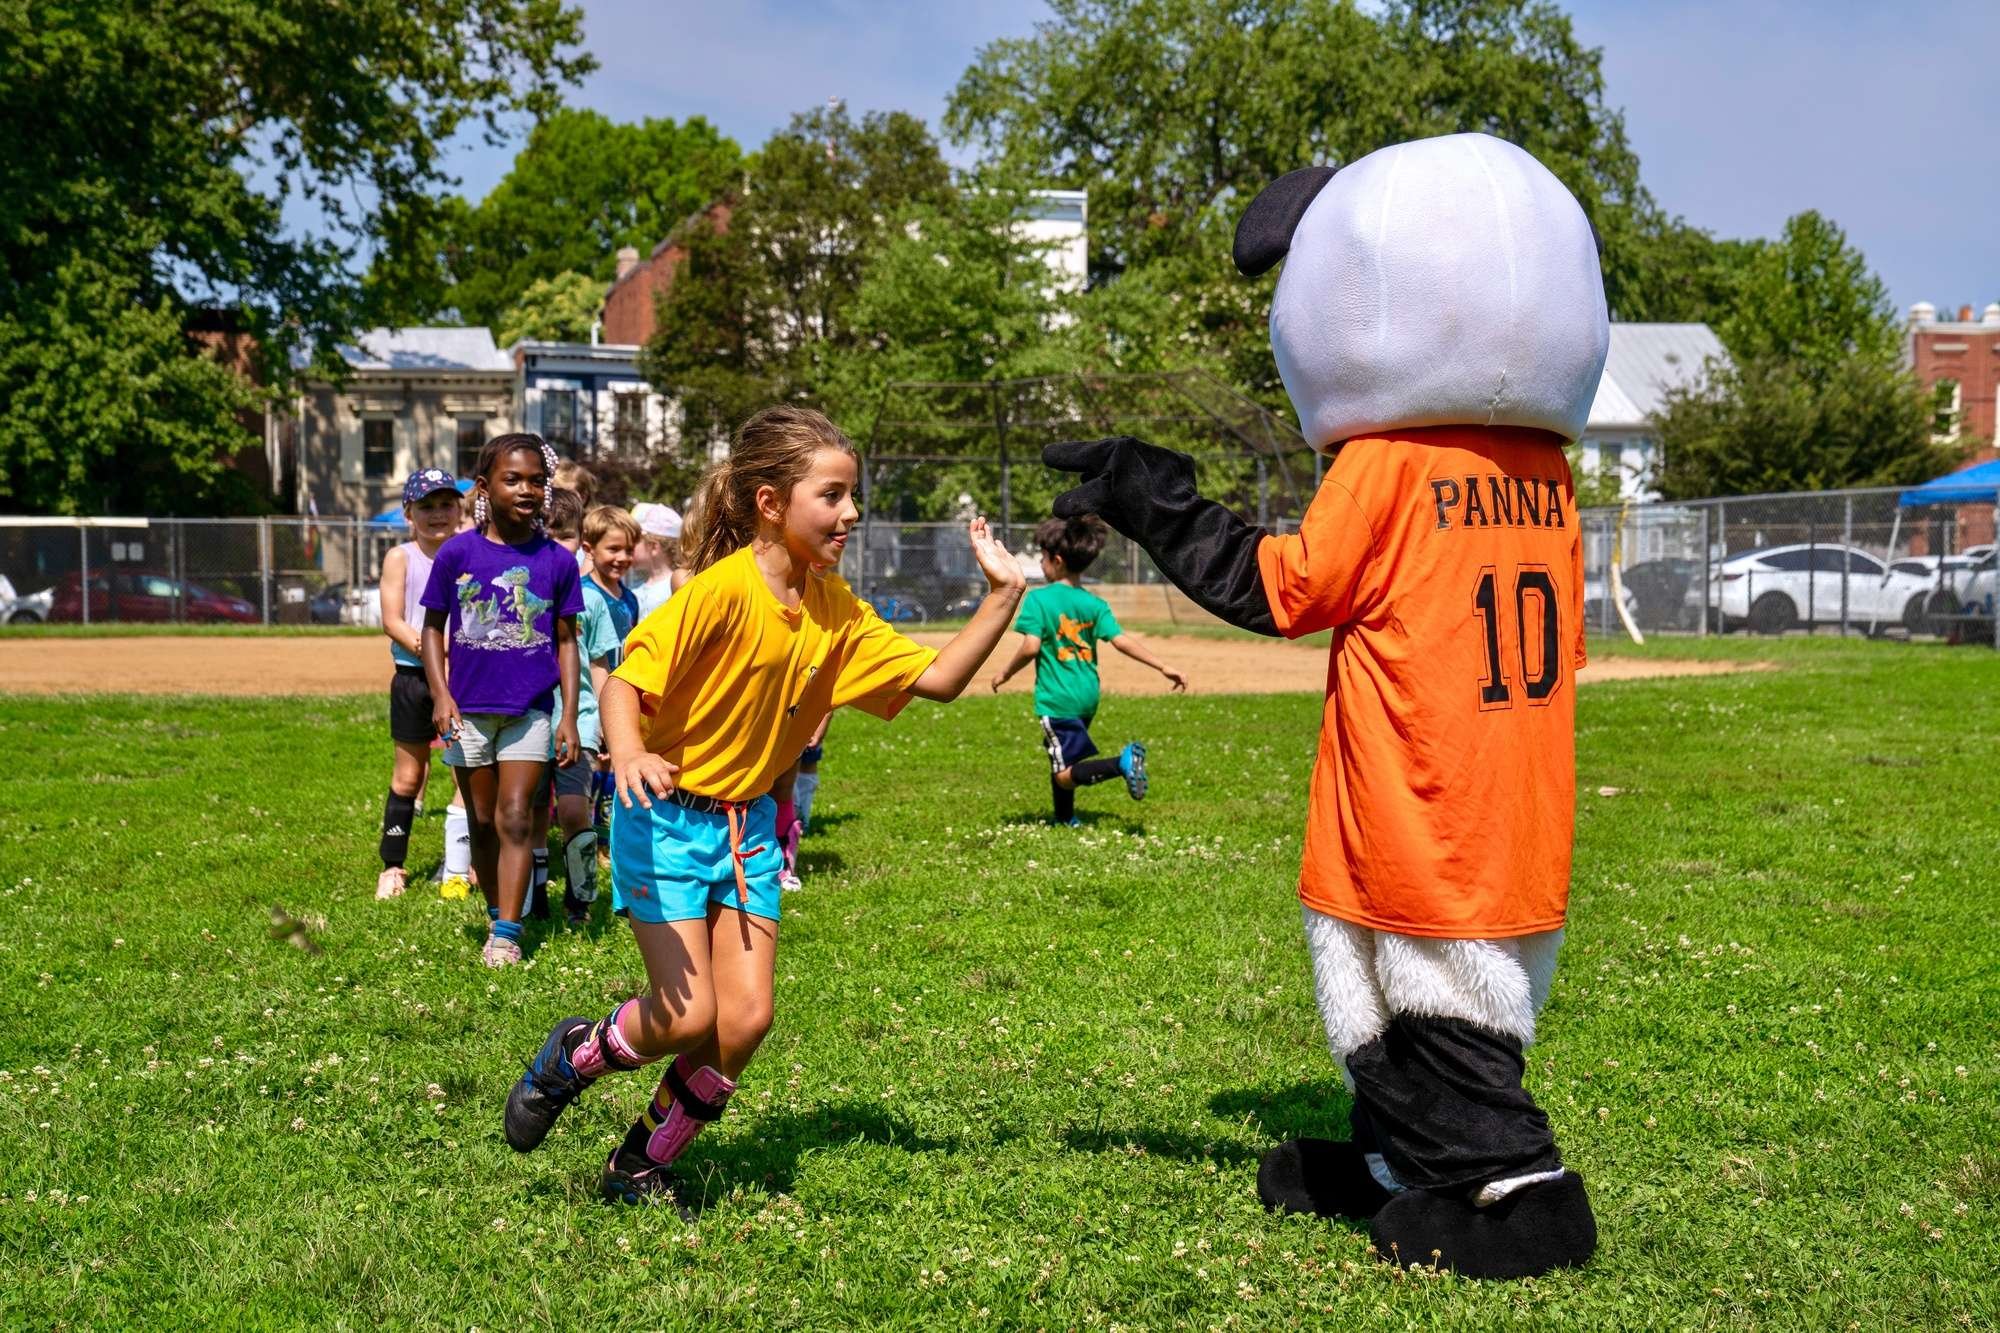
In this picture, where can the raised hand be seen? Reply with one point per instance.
(1124, 480)
(1002, 570)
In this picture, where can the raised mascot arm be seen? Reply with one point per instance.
(1148, 494)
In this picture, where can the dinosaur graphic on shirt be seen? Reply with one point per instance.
(505, 620)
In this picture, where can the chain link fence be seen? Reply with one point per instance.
(248, 571)
(1869, 562)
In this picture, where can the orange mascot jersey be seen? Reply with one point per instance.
(1449, 565)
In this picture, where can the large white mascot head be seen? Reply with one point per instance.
(1446, 282)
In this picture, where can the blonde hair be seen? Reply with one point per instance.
(576, 477)
(604, 520)
(774, 448)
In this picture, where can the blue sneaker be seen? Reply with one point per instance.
(550, 1084)
(1132, 763)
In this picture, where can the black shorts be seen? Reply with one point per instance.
(410, 707)
(1066, 741)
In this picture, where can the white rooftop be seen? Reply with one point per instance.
(426, 349)
(1645, 361)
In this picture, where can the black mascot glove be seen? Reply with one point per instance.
(1148, 494)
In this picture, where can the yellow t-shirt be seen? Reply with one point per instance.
(733, 683)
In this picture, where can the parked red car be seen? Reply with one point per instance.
(135, 595)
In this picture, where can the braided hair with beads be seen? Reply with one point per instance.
(498, 448)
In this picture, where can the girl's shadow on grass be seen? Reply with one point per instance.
(772, 1158)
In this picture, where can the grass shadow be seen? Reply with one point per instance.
(772, 1158)
(1302, 1110)
(1159, 1143)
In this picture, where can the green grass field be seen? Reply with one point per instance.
(1020, 1076)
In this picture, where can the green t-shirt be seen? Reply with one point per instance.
(1070, 623)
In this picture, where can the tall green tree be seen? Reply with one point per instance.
(1815, 394)
(558, 309)
(581, 187)
(1174, 113)
(763, 302)
(152, 150)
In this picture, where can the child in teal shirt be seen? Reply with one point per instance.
(1061, 626)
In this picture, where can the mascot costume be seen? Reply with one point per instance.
(1440, 327)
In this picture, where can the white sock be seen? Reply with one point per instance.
(457, 842)
(804, 787)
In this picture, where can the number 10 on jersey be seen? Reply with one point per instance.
(1533, 604)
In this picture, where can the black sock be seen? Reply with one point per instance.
(1065, 798)
(538, 883)
(398, 813)
(1093, 771)
(631, 1157)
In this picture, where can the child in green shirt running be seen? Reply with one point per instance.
(1061, 626)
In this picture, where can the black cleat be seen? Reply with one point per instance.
(1320, 1177)
(652, 1186)
(1532, 1231)
(548, 1085)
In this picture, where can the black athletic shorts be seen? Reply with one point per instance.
(1066, 741)
(410, 706)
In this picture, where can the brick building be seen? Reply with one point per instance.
(1959, 359)
(628, 305)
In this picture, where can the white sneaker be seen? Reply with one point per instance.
(391, 883)
(499, 952)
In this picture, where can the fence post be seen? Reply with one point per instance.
(264, 566)
(83, 566)
(1846, 556)
(1263, 495)
(1707, 568)
(1812, 572)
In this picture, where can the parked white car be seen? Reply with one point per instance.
(1783, 587)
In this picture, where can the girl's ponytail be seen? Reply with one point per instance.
(712, 530)
(774, 448)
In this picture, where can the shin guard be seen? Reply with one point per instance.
(604, 1049)
(695, 1096)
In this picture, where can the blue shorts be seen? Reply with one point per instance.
(669, 863)
(1066, 740)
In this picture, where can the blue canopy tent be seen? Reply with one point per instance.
(1975, 485)
(394, 517)
(1979, 484)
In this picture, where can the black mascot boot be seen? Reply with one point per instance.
(1533, 1230)
(1320, 1177)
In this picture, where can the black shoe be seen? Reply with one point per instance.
(1320, 1177)
(1533, 1230)
(577, 913)
(550, 1084)
(649, 1185)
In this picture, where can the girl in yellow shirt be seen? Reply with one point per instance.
(719, 691)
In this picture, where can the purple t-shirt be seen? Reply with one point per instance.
(502, 603)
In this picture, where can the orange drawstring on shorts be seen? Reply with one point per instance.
(737, 855)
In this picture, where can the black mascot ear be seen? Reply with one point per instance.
(1264, 232)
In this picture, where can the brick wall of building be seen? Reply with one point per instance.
(627, 316)
(1966, 350)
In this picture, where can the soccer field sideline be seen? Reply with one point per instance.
(1017, 1070)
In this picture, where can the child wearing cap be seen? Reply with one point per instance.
(656, 563)
(431, 508)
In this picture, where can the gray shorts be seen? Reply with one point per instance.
(575, 780)
(491, 738)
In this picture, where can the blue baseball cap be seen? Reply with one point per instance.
(425, 482)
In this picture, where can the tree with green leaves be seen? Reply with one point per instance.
(1815, 395)
(152, 152)
(763, 302)
(1174, 113)
(581, 188)
(558, 309)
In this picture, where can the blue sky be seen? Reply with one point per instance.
(1743, 112)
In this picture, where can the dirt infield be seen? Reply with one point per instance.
(353, 665)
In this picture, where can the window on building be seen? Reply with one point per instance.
(471, 439)
(559, 418)
(1945, 404)
(378, 447)
(628, 424)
